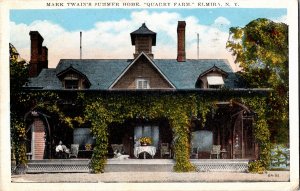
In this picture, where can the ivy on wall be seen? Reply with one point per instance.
(117, 108)
(261, 134)
(18, 137)
(177, 108)
(99, 109)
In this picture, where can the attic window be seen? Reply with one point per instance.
(71, 81)
(142, 84)
(215, 81)
(71, 84)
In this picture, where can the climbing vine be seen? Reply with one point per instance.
(18, 141)
(177, 108)
(99, 110)
(261, 134)
(118, 108)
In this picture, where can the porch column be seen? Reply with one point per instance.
(38, 139)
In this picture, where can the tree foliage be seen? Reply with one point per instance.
(261, 50)
(18, 77)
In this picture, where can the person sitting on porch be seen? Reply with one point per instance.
(61, 150)
(118, 155)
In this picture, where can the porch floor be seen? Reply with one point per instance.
(135, 165)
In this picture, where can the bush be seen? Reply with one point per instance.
(256, 167)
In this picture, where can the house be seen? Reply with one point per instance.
(229, 123)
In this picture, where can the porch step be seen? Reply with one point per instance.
(139, 165)
(58, 165)
(221, 165)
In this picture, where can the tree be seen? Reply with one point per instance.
(261, 50)
(18, 78)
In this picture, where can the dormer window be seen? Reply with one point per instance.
(142, 83)
(211, 78)
(73, 79)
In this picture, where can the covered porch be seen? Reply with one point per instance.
(226, 134)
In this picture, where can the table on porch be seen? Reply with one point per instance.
(144, 149)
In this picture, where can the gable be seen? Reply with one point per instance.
(144, 69)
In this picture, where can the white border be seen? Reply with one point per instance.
(291, 5)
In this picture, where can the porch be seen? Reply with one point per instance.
(134, 165)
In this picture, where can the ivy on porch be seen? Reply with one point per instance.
(99, 109)
(117, 108)
(177, 108)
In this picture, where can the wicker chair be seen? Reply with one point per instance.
(74, 150)
(165, 150)
(216, 150)
(117, 148)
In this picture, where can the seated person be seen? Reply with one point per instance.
(61, 150)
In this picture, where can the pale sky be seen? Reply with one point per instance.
(106, 32)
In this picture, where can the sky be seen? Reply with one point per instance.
(106, 32)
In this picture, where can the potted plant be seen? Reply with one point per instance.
(88, 147)
(145, 141)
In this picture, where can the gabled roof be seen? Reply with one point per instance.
(214, 69)
(102, 73)
(133, 62)
(143, 31)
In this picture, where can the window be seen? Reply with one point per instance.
(71, 81)
(215, 81)
(142, 84)
(71, 84)
(147, 130)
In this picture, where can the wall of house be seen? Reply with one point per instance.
(142, 69)
(38, 139)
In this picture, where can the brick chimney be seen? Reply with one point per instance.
(44, 57)
(181, 57)
(39, 54)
